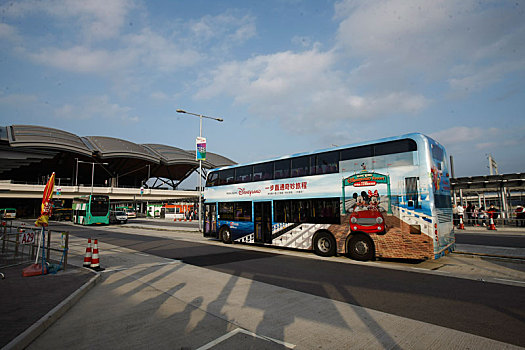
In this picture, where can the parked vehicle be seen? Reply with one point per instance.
(118, 217)
(62, 214)
(7, 213)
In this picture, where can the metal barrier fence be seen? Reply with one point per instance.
(19, 244)
(504, 219)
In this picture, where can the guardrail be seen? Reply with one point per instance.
(502, 218)
(20, 243)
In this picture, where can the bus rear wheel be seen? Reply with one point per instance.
(361, 247)
(226, 235)
(324, 244)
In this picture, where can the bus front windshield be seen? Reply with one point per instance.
(99, 206)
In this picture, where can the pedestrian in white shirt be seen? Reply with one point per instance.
(461, 211)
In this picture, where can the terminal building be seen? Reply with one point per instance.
(124, 170)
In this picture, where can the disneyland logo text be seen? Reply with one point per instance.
(243, 191)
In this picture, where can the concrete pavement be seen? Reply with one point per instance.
(157, 302)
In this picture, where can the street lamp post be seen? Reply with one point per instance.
(92, 170)
(200, 161)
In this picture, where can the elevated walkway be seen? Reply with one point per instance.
(11, 190)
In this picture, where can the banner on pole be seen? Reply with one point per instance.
(45, 210)
(201, 148)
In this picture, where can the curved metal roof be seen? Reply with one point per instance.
(110, 147)
(24, 146)
(42, 137)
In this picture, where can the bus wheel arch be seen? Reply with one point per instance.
(225, 234)
(324, 243)
(360, 246)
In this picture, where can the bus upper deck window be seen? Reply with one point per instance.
(226, 176)
(327, 163)
(263, 172)
(300, 166)
(357, 152)
(243, 174)
(282, 169)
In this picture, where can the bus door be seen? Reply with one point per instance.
(210, 220)
(263, 222)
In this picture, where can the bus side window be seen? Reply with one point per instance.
(263, 172)
(357, 152)
(300, 166)
(328, 163)
(282, 169)
(243, 174)
(226, 176)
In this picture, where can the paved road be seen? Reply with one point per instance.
(495, 311)
(164, 223)
(493, 240)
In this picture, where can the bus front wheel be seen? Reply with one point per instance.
(361, 247)
(226, 235)
(324, 244)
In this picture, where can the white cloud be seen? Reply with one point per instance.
(8, 32)
(83, 59)
(404, 42)
(303, 89)
(146, 47)
(159, 52)
(459, 135)
(159, 95)
(469, 81)
(98, 19)
(95, 108)
(230, 27)
(14, 100)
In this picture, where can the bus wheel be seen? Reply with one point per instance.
(324, 244)
(226, 235)
(361, 247)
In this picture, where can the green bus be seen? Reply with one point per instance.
(91, 210)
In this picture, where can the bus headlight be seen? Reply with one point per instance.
(353, 220)
(379, 220)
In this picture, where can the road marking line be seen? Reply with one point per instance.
(502, 279)
(138, 267)
(239, 330)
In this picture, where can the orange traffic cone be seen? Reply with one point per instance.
(87, 256)
(461, 225)
(95, 262)
(492, 226)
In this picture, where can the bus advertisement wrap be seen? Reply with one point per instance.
(393, 202)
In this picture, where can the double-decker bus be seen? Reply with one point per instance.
(91, 210)
(388, 198)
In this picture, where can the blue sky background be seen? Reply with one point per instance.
(287, 76)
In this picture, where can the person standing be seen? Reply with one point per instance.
(469, 210)
(475, 214)
(483, 216)
(455, 217)
(461, 212)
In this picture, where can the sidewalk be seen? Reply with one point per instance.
(31, 304)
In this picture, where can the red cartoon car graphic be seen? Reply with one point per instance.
(368, 221)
